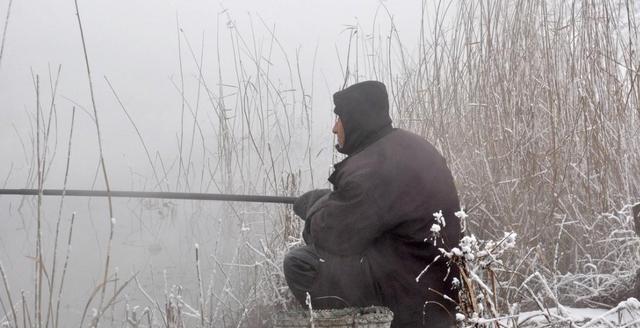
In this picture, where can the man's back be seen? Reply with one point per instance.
(370, 240)
(382, 210)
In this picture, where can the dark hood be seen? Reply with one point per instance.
(364, 111)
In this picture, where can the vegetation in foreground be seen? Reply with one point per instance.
(534, 104)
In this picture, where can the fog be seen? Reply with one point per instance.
(165, 61)
(534, 105)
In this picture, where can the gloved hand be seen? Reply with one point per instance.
(306, 201)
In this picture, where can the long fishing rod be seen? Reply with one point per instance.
(153, 194)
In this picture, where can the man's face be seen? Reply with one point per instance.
(338, 130)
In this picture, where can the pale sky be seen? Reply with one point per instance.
(134, 44)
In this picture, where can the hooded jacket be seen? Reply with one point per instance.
(374, 228)
(364, 111)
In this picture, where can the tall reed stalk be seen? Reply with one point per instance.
(4, 31)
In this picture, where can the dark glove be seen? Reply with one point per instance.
(307, 200)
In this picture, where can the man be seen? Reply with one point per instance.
(370, 240)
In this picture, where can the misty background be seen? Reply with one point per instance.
(534, 104)
(171, 68)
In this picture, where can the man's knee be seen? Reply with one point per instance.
(299, 260)
(301, 270)
(288, 263)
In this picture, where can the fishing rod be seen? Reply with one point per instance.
(152, 194)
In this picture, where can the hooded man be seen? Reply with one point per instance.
(370, 239)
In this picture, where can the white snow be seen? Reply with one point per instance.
(461, 214)
(626, 314)
(456, 251)
(439, 218)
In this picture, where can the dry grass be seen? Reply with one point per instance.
(535, 104)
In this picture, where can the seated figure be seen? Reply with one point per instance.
(370, 239)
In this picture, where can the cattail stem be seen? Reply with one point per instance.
(5, 282)
(102, 161)
(64, 271)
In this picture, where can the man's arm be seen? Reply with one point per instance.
(348, 221)
(306, 201)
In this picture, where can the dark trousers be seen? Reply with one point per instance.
(300, 271)
(331, 281)
(337, 282)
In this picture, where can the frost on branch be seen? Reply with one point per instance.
(439, 223)
(476, 261)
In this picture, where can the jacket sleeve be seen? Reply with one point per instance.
(348, 221)
(307, 200)
(306, 233)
